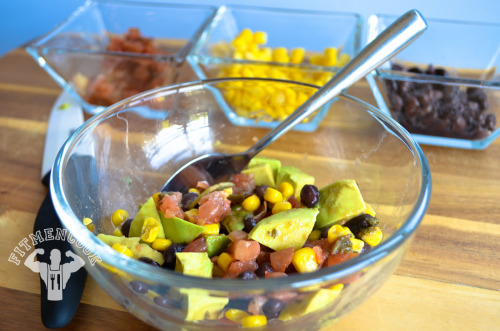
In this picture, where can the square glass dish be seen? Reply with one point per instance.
(303, 46)
(445, 87)
(109, 50)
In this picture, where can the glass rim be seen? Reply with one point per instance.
(116, 260)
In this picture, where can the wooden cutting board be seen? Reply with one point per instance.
(449, 279)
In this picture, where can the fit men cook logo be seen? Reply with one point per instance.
(55, 267)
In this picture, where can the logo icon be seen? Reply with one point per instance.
(55, 274)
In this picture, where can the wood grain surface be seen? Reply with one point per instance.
(449, 279)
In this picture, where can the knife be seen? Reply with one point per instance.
(66, 116)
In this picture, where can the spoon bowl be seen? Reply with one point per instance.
(214, 168)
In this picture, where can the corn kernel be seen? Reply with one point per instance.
(281, 206)
(224, 261)
(337, 287)
(337, 231)
(119, 216)
(117, 232)
(161, 244)
(254, 321)
(343, 60)
(87, 221)
(331, 54)
(271, 195)
(314, 235)
(122, 249)
(193, 190)
(371, 235)
(357, 244)
(217, 271)
(286, 189)
(297, 55)
(280, 54)
(246, 34)
(316, 60)
(304, 260)
(212, 228)
(236, 315)
(251, 203)
(260, 37)
(150, 229)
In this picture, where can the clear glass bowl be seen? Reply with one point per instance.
(93, 56)
(456, 101)
(124, 154)
(224, 50)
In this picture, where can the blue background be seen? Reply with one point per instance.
(23, 20)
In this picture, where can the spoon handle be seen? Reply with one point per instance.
(387, 44)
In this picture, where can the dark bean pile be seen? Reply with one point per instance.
(438, 109)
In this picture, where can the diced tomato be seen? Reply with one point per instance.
(281, 259)
(275, 274)
(237, 267)
(237, 235)
(214, 207)
(243, 183)
(321, 255)
(245, 250)
(198, 245)
(170, 205)
(337, 258)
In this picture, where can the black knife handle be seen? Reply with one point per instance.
(56, 313)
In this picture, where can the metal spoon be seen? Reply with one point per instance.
(218, 167)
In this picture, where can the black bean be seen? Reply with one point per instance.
(263, 268)
(490, 122)
(187, 200)
(260, 191)
(249, 222)
(126, 227)
(415, 70)
(169, 255)
(272, 308)
(397, 67)
(440, 72)
(139, 287)
(247, 275)
(147, 260)
(412, 106)
(396, 102)
(430, 70)
(324, 232)
(360, 222)
(309, 196)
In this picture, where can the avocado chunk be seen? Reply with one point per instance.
(260, 160)
(312, 302)
(199, 304)
(194, 264)
(235, 220)
(296, 177)
(263, 174)
(339, 201)
(147, 210)
(179, 230)
(289, 228)
(216, 243)
(139, 250)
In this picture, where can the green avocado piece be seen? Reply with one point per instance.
(339, 201)
(179, 230)
(200, 305)
(312, 302)
(294, 176)
(235, 220)
(216, 243)
(147, 210)
(289, 228)
(194, 264)
(263, 174)
(139, 250)
(259, 160)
